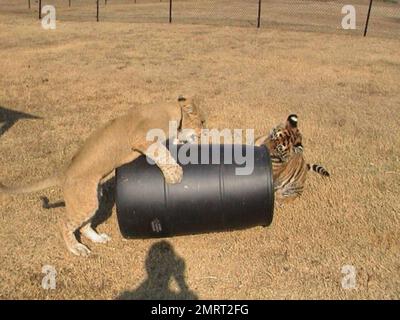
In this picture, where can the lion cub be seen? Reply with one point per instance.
(118, 142)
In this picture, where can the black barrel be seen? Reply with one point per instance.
(211, 197)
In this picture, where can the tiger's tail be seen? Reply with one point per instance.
(318, 169)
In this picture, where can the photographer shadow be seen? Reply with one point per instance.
(162, 265)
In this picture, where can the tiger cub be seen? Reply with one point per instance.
(289, 167)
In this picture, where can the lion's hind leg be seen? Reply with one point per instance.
(81, 200)
(92, 234)
(68, 232)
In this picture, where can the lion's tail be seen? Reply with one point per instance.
(40, 185)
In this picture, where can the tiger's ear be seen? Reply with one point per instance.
(291, 121)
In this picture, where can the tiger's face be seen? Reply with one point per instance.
(285, 140)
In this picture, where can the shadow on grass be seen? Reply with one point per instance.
(9, 117)
(162, 265)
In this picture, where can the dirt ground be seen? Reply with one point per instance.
(345, 89)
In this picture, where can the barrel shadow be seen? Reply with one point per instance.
(106, 202)
(162, 265)
(9, 117)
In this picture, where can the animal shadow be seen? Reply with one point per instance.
(106, 202)
(9, 117)
(162, 265)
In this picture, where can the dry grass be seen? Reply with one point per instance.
(344, 88)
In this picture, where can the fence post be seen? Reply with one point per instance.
(105, 2)
(97, 10)
(40, 9)
(29, 4)
(367, 21)
(259, 14)
(69, 3)
(170, 11)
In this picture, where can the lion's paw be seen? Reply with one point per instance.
(173, 174)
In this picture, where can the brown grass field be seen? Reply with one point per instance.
(345, 89)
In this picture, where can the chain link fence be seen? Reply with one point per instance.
(298, 15)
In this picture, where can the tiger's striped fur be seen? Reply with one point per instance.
(288, 164)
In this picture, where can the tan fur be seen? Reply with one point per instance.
(118, 142)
